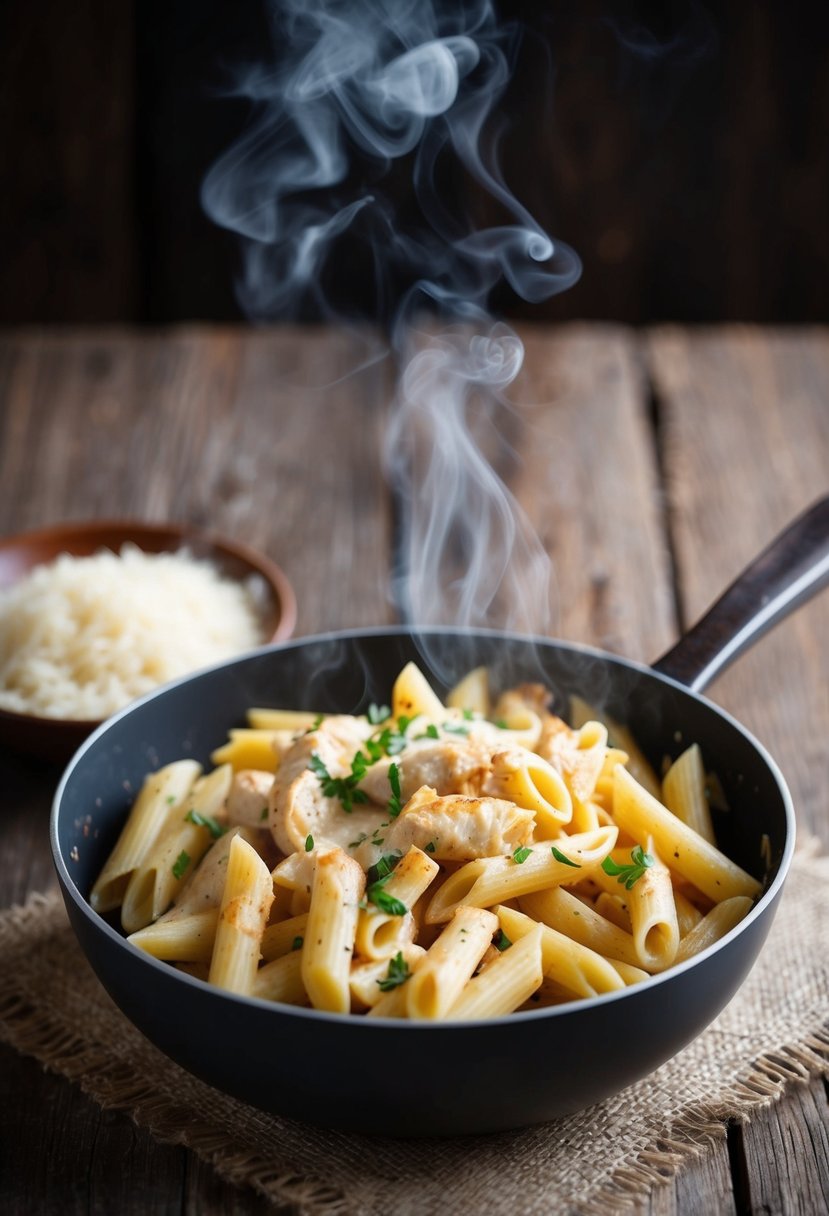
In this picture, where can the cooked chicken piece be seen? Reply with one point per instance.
(459, 828)
(298, 805)
(448, 766)
(247, 801)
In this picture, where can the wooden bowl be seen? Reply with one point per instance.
(55, 739)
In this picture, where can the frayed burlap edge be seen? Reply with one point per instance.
(34, 1032)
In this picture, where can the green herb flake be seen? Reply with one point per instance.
(501, 941)
(383, 869)
(629, 874)
(180, 864)
(502, 723)
(296, 944)
(309, 843)
(396, 975)
(207, 821)
(385, 902)
(171, 799)
(565, 861)
(264, 814)
(394, 806)
(354, 844)
(378, 713)
(343, 788)
(521, 855)
(431, 846)
(315, 725)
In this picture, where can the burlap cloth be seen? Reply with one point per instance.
(773, 1034)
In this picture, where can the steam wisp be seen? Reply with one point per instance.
(355, 87)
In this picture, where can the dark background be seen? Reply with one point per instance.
(681, 149)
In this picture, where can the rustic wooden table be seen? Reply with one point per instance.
(654, 464)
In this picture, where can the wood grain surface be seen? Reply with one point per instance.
(652, 465)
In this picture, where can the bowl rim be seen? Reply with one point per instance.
(768, 897)
(134, 530)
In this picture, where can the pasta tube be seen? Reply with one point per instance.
(505, 984)
(581, 971)
(568, 915)
(337, 889)
(449, 963)
(495, 880)
(188, 831)
(720, 920)
(641, 815)
(533, 784)
(281, 980)
(380, 933)
(246, 902)
(683, 792)
(188, 939)
(160, 791)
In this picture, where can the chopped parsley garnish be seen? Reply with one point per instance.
(386, 902)
(264, 814)
(207, 821)
(394, 781)
(501, 723)
(171, 799)
(296, 944)
(378, 875)
(353, 844)
(469, 715)
(521, 855)
(501, 941)
(309, 843)
(180, 864)
(392, 741)
(343, 788)
(431, 846)
(383, 869)
(396, 975)
(629, 874)
(431, 732)
(315, 725)
(378, 713)
(565, 861)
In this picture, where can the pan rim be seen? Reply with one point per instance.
(571, 1008)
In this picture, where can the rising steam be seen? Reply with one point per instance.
(354, 87)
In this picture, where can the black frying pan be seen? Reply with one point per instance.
(399, 1078)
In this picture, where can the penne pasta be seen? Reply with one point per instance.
(507, 983)
(449, 963)
(381, 933)
(715, 924)
(494, 880)
(160, 792)
(683, 792)
(281, 980)
(187, 833)
(642, 816)
(188, 939)
(579, 970)
(337, 889)
(246, 902)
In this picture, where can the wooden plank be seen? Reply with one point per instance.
(745, 431)
(745, 443)
(588, 480)
(265, 437)
(790, 1142)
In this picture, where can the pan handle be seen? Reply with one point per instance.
(790, 571)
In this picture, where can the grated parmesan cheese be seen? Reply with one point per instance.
(83, 636)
